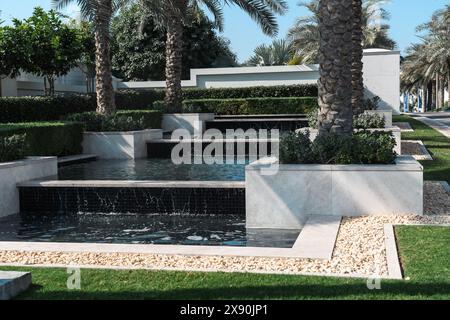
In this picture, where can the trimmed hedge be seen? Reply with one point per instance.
(289, 105)
(125, 120)
(45, 138)
(252, 92)
(361, 148)
(29, 109)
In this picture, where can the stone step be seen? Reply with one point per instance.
(13, 283)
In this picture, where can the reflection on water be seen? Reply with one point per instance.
(228, 230)
(151, 169)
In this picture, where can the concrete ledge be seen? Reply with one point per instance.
(119, 145)
(13, 283)
(194, 123)
(392, 258)
(318, 237)
(283, 196)
(15, 172)
(131, 184)
(386, 114)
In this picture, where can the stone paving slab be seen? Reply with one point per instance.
(13, 283)
(404, 126)
(318, 237)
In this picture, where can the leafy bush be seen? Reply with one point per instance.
(288, 105)
(371, 103)
(45, 138)
(361, 148)
(252, 92)
(29, 109)
(362, 121)
(130, 120)
(12, 147)
(368, 121)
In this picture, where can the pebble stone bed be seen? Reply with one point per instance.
(415, 148)
(359, 250)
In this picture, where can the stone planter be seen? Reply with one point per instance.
(386, 114)
(12, 173)
(193, 122)
(396, 133)
(286, 198)
(119, 145)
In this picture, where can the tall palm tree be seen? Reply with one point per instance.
(357, 55)
(172, 15)
(276, 54)
(100, 12)
(429, 61)
(304, 35)
(335, 59)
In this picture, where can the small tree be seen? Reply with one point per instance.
(52, 48)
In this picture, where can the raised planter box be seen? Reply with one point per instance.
(12, 173)
(386, 114)
(119, 145)
(396, 133)
(293, 192)
(193, 122)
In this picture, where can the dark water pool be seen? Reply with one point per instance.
(151, 169)
(225, 230)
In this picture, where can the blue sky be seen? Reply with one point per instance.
(245, 35)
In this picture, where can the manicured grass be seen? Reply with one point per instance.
(437, 144)
(424, 252)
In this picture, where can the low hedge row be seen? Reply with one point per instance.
(18, 140)
(29, 109)
(128, 120)
(288, 105)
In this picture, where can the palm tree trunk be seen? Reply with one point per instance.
(448, 78)
(335, 58)
(357, 56)
(105, 91)
(174, 53)
(434, 94)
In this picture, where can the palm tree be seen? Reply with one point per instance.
(429, 61)
(100, 12)
(276, 54)
(357, 55)
(335, 59)
(304, 35)
(172, 15)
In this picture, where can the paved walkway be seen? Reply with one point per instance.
(440, 123)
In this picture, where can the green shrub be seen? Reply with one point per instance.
(288, 105)
(361, 148)
(368, 121)
(12, 147)
(129, 120)
(309, 90)
(137, 99)
(371, 103)
(47, 138)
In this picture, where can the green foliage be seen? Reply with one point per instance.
(130, 120)
(12, 147)
(45, 138)
(368, 121)
(361, 148)
(371, 103)
(286, 105)
(300, 90)
(47, 47)
(313, 118)
(28, 109)
(138, 46)
(278, 53)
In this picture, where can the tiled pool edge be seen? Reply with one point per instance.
(323, 251)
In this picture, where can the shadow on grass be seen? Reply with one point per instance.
(389, 290)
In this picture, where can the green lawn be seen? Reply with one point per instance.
(437, 144)
(424, 252)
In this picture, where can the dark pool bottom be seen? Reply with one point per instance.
(221, 230)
